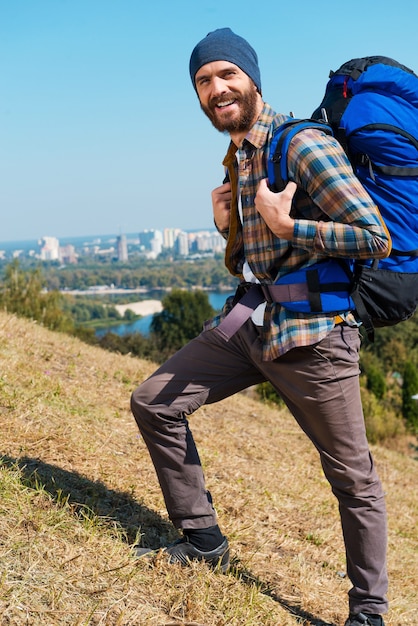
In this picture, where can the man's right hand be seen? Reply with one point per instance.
(221, 202)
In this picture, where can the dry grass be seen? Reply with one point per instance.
(77, 488)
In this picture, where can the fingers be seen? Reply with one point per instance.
(221, 202)
(275, 208)
(290, 190)
(221, 196)
(262, 186)
(222, 191)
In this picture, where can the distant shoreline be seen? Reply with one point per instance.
(144, 307)
(105, 290)
(99, 290)
(141, 307)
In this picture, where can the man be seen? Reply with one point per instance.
(311, 360)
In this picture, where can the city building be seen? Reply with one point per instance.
(182, 244)
(68, 254)
(148, 243)
(122, 248)
(169, 237)
(50, 249)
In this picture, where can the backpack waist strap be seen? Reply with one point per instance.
(256, 294)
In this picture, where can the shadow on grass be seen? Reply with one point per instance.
(83, 494)
(414, 449)
(242, 574)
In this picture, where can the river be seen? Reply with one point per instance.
(216, 299)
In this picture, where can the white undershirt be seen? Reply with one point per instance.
(258, 314)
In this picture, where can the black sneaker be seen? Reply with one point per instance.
(364, 619)
(181, 551)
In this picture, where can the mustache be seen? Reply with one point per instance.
(232, 95)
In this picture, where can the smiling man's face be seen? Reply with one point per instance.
(227, 96)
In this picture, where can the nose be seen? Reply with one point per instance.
(218, 86)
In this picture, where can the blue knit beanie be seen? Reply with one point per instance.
(224, 45)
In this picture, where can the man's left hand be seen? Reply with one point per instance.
(274, 208)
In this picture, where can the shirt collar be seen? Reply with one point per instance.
(257, 135)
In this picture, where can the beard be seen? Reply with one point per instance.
(247, 102)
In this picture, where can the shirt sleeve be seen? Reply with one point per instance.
(349, 223)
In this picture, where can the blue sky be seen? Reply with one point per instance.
(100, 128)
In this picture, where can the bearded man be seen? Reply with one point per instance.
(310, 359)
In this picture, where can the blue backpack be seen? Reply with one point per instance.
(371, 107)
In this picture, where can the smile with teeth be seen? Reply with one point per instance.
(220, 105)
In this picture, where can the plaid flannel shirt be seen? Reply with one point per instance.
(334, 216)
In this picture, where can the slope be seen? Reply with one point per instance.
(78, 488)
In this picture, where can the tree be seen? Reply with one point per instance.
(409, 389)
(376, 382)
(23, 293)
(181, 319)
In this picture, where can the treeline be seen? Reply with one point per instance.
(25, 293)
(389, 365)
(208, 273)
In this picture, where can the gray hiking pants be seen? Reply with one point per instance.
(320, 385)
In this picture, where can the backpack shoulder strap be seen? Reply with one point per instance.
(279, 145)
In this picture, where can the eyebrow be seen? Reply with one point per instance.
(201, 76)
(209, 74)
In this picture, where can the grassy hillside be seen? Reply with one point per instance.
(78, 488)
